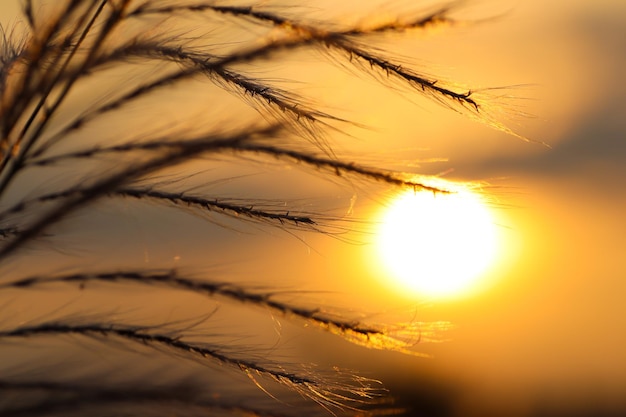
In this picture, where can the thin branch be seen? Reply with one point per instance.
(137, 334)
(125, 99)
(439, 16)
(339, 166)
(36, 52)
(125, 176)
(200, 63)
(300, 36)
(55, 78)
(324, 392)
(400, 338)
(218, 205)
(336, 166)
(17, 162)
(281, 99)
(341, 40)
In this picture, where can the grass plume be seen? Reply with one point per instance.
(376, 336)
(121, 105)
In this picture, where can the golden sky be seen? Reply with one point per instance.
(547, 333)
(551, 332)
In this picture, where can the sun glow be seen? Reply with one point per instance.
(438, 245)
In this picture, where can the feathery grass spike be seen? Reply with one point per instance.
(127, 108)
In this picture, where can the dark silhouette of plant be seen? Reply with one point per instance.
(121, 105)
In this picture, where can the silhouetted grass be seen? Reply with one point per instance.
(72, 138)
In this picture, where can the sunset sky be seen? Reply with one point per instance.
(549, 335)
(543, 333)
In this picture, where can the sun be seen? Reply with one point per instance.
(437, 245)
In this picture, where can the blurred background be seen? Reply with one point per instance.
(548, 335)
(545, 333)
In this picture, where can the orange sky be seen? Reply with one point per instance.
(549, 337)
(549, 334)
